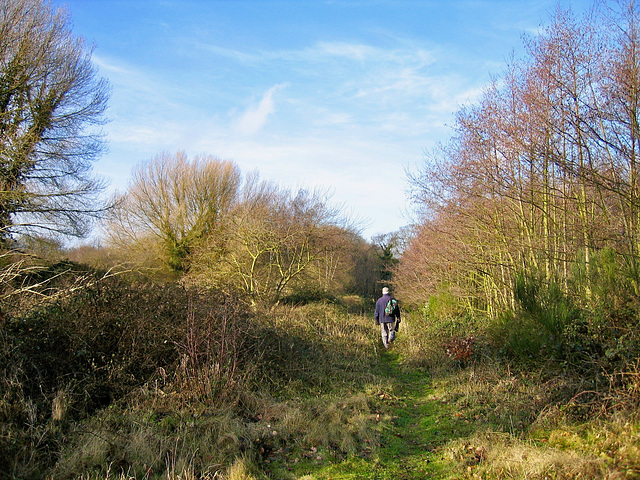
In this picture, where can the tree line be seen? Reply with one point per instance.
(199, 221)
(202, 222)
(536, 197)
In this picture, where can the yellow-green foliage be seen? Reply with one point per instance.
(533, 425)
(492, 455)
(241, 469)
(303, 348)
(426, 336)
(122, 381)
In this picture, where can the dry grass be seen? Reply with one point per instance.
(149, 446)
(526, 427)
(192, 401)
(313, 349)
(242, 468)
(543, 423)
(492, 455)
(161, 430)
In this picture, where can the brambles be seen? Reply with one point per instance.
(460, 349)
(105, 377)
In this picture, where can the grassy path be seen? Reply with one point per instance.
(414, 424)
(480, 421)
(410, 440)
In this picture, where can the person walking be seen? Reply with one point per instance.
(387, 315)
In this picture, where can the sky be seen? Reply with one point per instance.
(345, 96)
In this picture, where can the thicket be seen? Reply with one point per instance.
(529, 238)
(125, 376)
(201, 222)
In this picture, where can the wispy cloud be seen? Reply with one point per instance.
(331, 99)
(234, 54)
(354, 51)
(110, 66)
(255, 117)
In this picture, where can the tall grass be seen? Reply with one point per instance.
(428, 332)
(530, 410)
(126, 379)
(304, 347)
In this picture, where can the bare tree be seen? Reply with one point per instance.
(278, 239)
(173, 205)
(522, 177)
(51, 102)
(273, 236)
(342, 263)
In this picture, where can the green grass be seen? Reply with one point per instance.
(413, 425)
(482, 421)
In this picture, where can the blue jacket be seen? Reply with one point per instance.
(379, 314)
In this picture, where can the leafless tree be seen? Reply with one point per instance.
(272, 237)
(542, 173)
(277, 235)
(172, 206)
(51, 104)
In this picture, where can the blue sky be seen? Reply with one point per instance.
(343, 95)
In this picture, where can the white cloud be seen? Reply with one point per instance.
(351, 111)
(345, 167)
(110, 66)
(350, 50)
(255, 117)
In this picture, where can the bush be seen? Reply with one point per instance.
(65, 360)
(439, 342)
(608, 335)
(307, 294)
(303, 347)
(537, 330)
(104, 378)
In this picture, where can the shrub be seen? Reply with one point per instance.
(427, 337)
(461, 349)
(537, 330)
(608, 335)
(304, 295)
(65, 360)
(304, 347)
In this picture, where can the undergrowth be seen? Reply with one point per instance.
(532, 416)
(125, 379)
(131, 380)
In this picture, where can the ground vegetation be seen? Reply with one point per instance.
(225, 331)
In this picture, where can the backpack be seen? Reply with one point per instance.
(391, 310)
